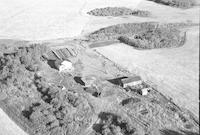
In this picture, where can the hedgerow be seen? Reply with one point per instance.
(118, 11)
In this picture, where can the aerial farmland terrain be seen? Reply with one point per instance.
(99, 67)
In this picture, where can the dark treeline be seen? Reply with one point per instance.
(118, 11)
(177, 3)
(111, 124)
(43, 109)
(142, 35)
(48, 108)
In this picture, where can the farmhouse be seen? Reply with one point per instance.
(66, 66)
(131, 81)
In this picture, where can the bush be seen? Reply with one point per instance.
(111, 124)
(118, 11)
(142, 35)
(177, 3)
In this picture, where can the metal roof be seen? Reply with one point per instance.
(131, 79)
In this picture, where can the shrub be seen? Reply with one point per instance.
(111, 124)
(142, 35)
(177, 3)
(118, 11)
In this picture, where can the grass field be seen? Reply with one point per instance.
(174, 71)
(8, 126)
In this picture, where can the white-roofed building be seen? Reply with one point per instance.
(131, 81)
(66, 66)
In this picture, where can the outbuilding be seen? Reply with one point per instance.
(131, 81)
(144, 91)
(66, 66)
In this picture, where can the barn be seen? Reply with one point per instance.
(61, 54)
(131, 81)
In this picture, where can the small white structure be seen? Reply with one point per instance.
(66, 66)
(144, 91)
(131, 81)
(63, 88)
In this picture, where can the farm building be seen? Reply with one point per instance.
(61, 54)
(131, 81)
(54, 63)
(66, 66)
(117, 81)
(79, 80)
(61, 65)
(144, 91)
(51, 56)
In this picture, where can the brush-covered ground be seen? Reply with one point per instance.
(174, 70)
(177, 3)
(118, 11)
(148, 35)
(32, 95)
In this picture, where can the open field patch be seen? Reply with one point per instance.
(174, 71)
(8, 126)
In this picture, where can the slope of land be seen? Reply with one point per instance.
(40, 20)
(58, 19)
(51, 19)
(184, 60)
(44, 101)
(48, 19)
(8, 126)
(174, 71)
(166, 14)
